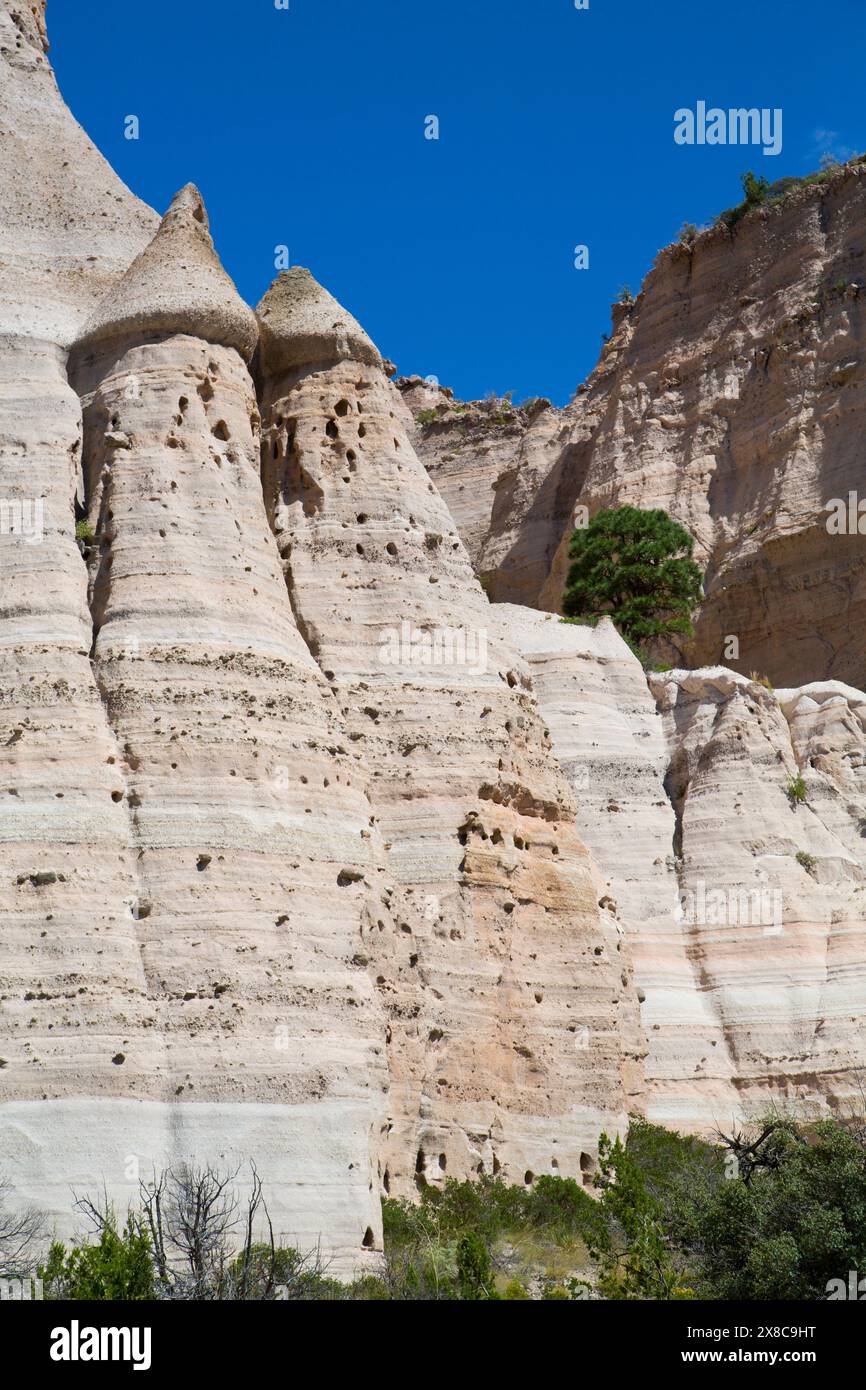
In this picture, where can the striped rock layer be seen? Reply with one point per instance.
(273, 888)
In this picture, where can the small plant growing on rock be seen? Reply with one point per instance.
(796, 791)
(806, 861)
(761, 680)
(755, 190)
(84, 533)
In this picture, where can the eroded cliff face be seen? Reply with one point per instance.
(773, 872)
(744, 907)
(296, 826)
(732, 394)
(501, 470)
(275, 886)
(489, 957)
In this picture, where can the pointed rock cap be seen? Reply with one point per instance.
(177, 285)
(301, 323)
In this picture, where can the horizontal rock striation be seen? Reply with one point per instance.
(242, 811)
(742, 904)
(489, 958)
(769, 791)
(282, 881)
(296, 826)
(609, 738)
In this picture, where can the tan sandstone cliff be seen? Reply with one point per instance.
(732, 394)
(271, 887)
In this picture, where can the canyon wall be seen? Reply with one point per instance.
(313, 856)
(501, 470)
(275, 886)
(742, 892)
(732, 394)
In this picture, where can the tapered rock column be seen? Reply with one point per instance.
(71, 978)
(73, 995)
(503, 994)
(254, 852)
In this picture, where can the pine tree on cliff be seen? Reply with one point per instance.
(635, 567)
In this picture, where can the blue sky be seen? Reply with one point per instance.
(305, 127)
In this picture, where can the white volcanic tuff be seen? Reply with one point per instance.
(68, 226)
(490, 959)
(72, 985)
(244, 810)
(72, 988)
(608, 736)
(792, 1002)
(749, 963)
(315, 1159)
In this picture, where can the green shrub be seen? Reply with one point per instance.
(792, 1221)
(259, 1272)
(761, 680)
(796, 791)
(117, 1268)
(806, 861)
(473, 1268)
(635, 567)
(755, 192)
(561, 1207)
